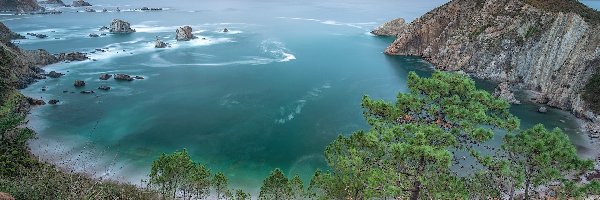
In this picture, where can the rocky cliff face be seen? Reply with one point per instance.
(552, 53)
(19, 6)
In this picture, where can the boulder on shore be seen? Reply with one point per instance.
(503, 92)
(54, 74)
(105, 76)
(123, 77)
(79, 83)
(120, 26)
(184, 33)
(80, 3)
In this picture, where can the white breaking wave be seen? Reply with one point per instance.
(289, 112)
(359, 25)
(277, 50)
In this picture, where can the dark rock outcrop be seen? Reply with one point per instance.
(80, 3)
(120, 26)
(53, 102)
(184, 33)
(225, 30)
(391, 28)
(54, 74)
(40, 57)
(87, 92)
(73, 56)
(105, 76)
(139, 77)
(55, 2)
(35, 102)
(79, 83)
(534, 46)
(94, 35)
(123, 77)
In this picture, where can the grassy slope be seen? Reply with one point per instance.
(23, 175)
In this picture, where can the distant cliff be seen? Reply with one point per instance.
(19, 6)
(548, 46)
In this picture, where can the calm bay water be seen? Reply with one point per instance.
(273, 92)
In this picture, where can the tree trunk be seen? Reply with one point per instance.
(416, 190)
(417, 183)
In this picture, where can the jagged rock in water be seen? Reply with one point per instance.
(87, 92)
(94, 35)
(103, 28)
(53, 102)
(184, 33)
(225, 30)
(80, 3)
(35, 102)
(104, 87)
(123, 77)
(73, 56)
(159, 44)
(145, 9)
(543, 109)
(89, 10)
(139, 77)
(120, 26)
(54, 74)
(503, 91)
(105, 76)
(38, 35)
(533, 46)
(79, 83)
(391, 28)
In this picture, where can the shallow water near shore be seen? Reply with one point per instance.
(271, 93)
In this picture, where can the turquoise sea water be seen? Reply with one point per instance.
(273, 92)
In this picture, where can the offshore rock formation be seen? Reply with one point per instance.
(120, 26)
(55, 2)
(184, 33)
(391, 28)
(123, 77)
(73, 56)
(159, 44)
(80, 3)
(527, 43)
(19, 6)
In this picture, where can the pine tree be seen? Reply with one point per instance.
(275, 187)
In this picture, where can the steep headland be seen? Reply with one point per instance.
(19, 6)
(549, 47)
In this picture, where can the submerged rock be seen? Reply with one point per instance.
(391, 28)
(79, 83)
(503, 92)
(94, 35)
(105, 76)
(80, 3)
(184, 33)
(104, 87)
(120, 26)
(159, 44)
(543, 109)
(123, 77)
(87, 92)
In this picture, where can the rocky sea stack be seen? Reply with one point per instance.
(120, 26)
(184, 33)
(159, 44)
(547, 46)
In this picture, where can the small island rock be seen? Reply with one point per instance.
(79, 83)
(54, 74)
(120, 26)
(105, 76)
(104, 87)
(123, 77)
(184, 33)
(543, 109)
(159, 44)
(53, 102)
(80, 3)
